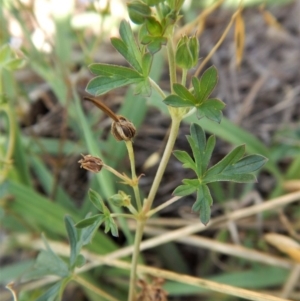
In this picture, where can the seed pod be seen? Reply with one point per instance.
(123, 129)
(91, 163)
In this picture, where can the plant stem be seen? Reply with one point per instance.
(164, 205)
(183, 79)
(116, 173)
(164, 161)
(134, 177)
(172, 63)
(136, 251)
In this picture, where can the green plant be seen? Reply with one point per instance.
(156, 32)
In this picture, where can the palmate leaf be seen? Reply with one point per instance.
(233, 167)
(209, 108)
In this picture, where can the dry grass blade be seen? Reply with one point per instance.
(217, 45)
(285, 244)
(226, 248)
(270, 19)
(239, 37)
(187, 29)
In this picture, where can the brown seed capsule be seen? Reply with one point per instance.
(91, 163)
(123, 129)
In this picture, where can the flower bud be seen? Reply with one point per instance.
(123, 129)
(187, 52)
(121, 199)
(91, 163)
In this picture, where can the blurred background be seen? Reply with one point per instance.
(45, 126)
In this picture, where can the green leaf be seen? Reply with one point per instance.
(113, 70)
(206, 85)
(138, 11)
(96, 200)
(73, 240)
(247, 164)
(101, 85)
(184, 190)
(210, 145)
(176, 101)
(184, 93)
(87, 233)
(197, 154)
(203, 203)
(155, 43)
(95, 219)
(198, 136)
(186, 159)
(231, 158)
(128, 46)
(237, 178)
(111, 77)
(48, 263)
(154, 27)
(211, 109)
